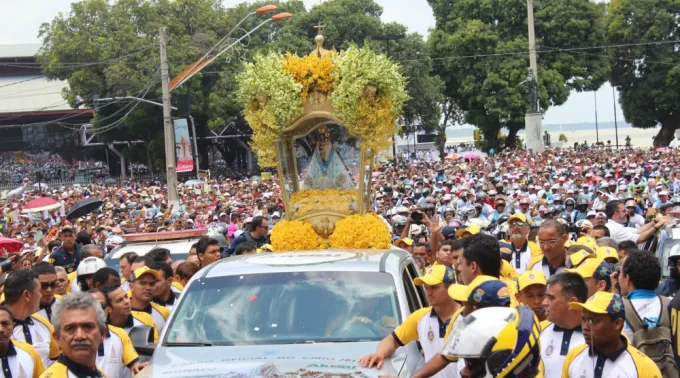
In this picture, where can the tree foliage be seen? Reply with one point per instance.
(646, 71)
(479, 46)
(121, 38)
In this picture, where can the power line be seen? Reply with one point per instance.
(78, 64)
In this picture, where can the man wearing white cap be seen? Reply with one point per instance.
(664, 199)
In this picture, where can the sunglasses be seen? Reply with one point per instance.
(517, 224)
(48, 285)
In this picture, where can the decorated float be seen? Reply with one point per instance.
(321, 120)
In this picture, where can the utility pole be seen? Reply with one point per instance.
(173, 200)
(616, 125)
(597, 130)
(533, 122)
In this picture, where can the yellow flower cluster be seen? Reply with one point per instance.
(312, 71)
(338, 201)
(263, 135)
(361, 232)
(295, 236)
(376, 122)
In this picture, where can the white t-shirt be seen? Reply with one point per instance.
(620, 233)
(555, 345)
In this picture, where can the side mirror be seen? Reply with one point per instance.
(142, 340)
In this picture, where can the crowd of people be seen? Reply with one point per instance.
(563, 238)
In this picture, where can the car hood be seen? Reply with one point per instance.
(271, 361)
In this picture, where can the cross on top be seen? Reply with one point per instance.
(319, 28)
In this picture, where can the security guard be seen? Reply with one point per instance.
(497, 342)
(596, 273)
(116, 355)
(18, 359)
(552, 237)
(521, 252)
(47, 276)
(427, 325)
(531, 288)
(606, 352)
(80, 327)
(561, 332)
(68, 254)
(483, 292)
(22, 297)
(119, 312)
(142, 287)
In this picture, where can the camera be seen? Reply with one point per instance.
(416, 217)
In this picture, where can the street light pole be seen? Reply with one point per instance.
(171, 175)
(616, 125)
(597, 130)
(533, 122)
(387, 38)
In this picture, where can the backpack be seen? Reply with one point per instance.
(655, 342)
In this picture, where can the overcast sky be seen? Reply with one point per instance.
(20, 20)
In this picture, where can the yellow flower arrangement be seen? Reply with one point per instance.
(337, 201)
(361, 232)
(312, 72)
(295, 236)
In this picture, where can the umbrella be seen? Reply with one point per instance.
(41, 204)
(453, 156)
(84, 207)
(193, 182)
(10, 245)
(471, 156)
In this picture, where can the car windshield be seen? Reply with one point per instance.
(286, 308)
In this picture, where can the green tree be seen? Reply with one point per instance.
(480, 48)
(647, 71)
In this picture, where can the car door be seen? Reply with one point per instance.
(415, 295)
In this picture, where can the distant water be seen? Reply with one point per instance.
(467, 131)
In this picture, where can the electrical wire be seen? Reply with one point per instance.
(22, 81)
(79, 64)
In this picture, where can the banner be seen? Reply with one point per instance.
(185, 158)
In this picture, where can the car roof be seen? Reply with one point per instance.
(174, 246)
(300, 261)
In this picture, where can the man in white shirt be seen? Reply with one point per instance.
(616, 213)
(635, 220)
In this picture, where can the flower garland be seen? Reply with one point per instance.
(361, 231)
(366, 89)
(295, 236)
(271, 97)
(369, 95)
(366, 231)
(339, 201)
(312, 72)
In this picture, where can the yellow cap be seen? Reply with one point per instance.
(436, 275)
(607, 253)
(529, 278)
(137, 273)
(593, 267)
(603, 302)
(577, 258)
(407, 241)
(472, 229)
(517, 217)
(458, 292)
(588, 241)
(267, 248)
(507, 270)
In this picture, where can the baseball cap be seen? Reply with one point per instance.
(591, 213)
(577, 258)
(137, 273)
(460, 292)
(517, 217)
(448, 232)
(471, 229)
(507, 271)
(603, 303)
(490, 294)
(601, 215)
(407, 241)
(436, 275)
(67, 228)
(607, 253)
(595, 268)
(530, 277)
